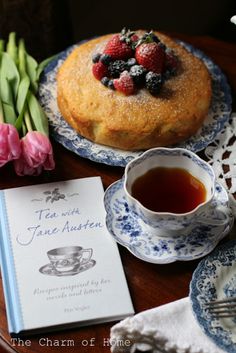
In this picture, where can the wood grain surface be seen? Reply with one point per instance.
(150, 285)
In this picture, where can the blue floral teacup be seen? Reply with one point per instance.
(167, 222)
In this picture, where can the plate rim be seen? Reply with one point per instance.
(193, 294)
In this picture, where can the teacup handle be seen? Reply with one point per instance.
(88, 258)
(224, 219)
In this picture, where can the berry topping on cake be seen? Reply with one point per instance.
(137, 72)
(124, 84)
(105, 59)
(151, 55)
(116, 68)
(153, 82)
(96, 57)
(119, 46)
(105, 81)
(99, 70)
(129, 61)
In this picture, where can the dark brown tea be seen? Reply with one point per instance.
(172, 190)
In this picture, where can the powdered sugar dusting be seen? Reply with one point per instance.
(64, 134)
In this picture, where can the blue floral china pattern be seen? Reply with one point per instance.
(64, 134)
(178, 156)
(141, 240)
(215, 278)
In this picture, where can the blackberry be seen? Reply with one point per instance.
(105, 59)
(96, 57)
(131, 62)
(116, 68)
(153, 82)
(105, 81)
(138, 72)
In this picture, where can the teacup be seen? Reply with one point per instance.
(69, 258)
(167, 222)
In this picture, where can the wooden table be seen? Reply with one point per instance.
(150, 285)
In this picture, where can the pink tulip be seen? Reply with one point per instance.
(10, 147)
(36, 154)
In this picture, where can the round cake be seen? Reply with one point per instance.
(155, 94)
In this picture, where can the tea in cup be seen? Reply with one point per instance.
(69, 258)
(170, 188)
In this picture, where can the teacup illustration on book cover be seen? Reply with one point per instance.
(68, 261)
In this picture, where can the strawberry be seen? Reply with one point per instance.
(99, 70)
(151, 56)
(124, 83)
(117, 48)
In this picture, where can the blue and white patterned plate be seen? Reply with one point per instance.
(64, 134)
(142, 241)
(215, 278)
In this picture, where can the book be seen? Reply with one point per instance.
(60, 267)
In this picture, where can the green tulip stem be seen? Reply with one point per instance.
(28, 120)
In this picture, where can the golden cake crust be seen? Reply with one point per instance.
(138, 121)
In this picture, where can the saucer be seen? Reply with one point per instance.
(142, 241)
(49, 270)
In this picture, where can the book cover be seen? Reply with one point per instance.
(59, 264)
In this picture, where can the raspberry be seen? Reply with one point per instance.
(99, 70)
(124, 84)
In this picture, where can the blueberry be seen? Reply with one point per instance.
(96, 58)
(131, 62)
(153, 82)
(155, 38)
(138, 72)
(105, 59)
(111, 84)
(116, 68)
(105, 81)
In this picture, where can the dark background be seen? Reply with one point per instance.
(49, 26)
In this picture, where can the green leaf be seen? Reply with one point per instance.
(7, 100)
(21, 100)
(11, 47)
(31, 69)
(9, 70)
(9, 113)
(19, 121)
(22, 93)
(38, 116)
